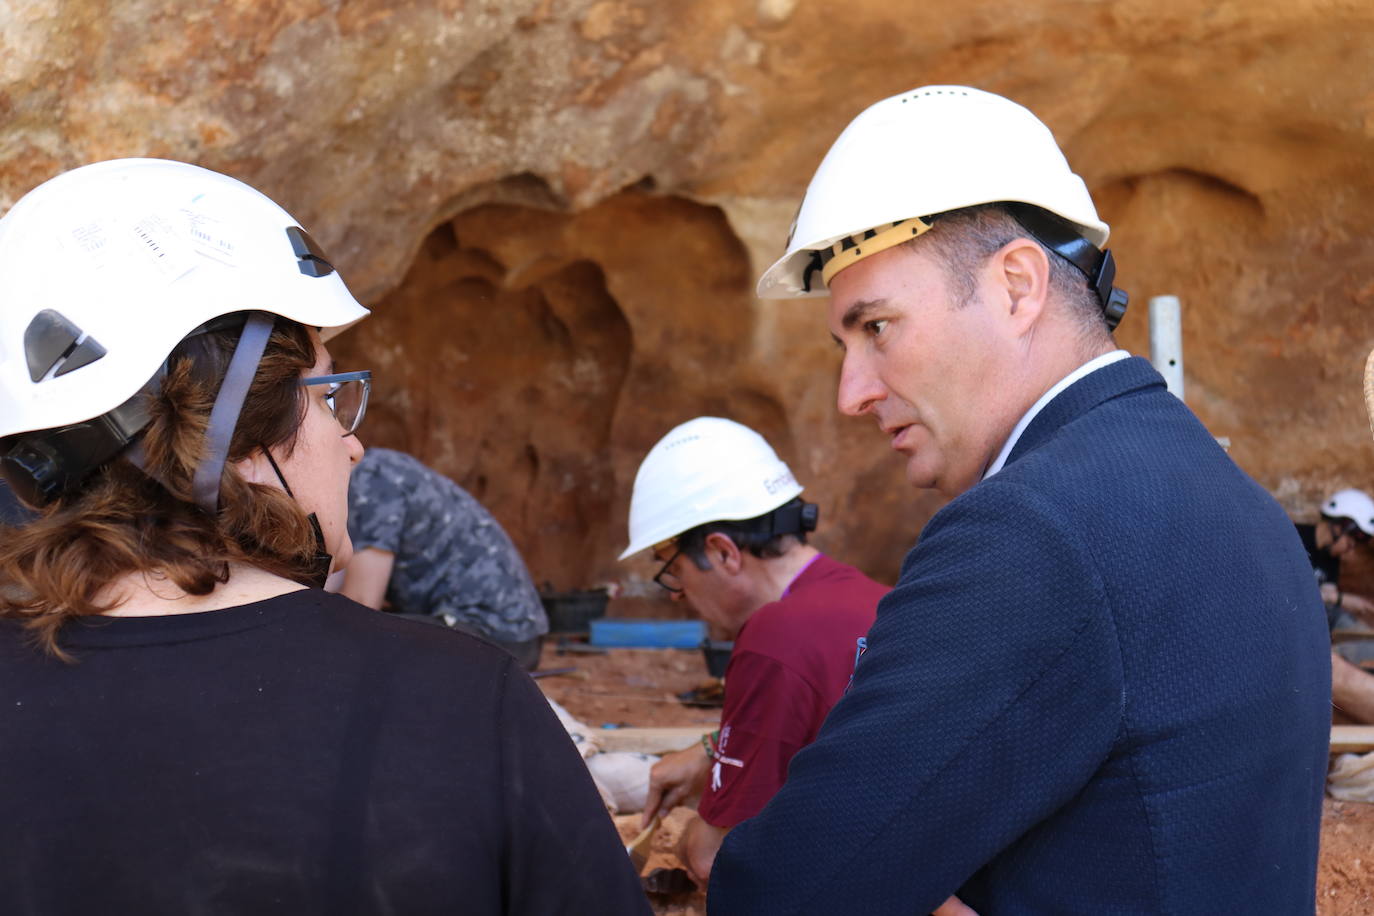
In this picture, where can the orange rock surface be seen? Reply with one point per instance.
(558, 211)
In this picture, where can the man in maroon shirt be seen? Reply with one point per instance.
(721, 512)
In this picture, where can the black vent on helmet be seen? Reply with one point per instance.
(52, 338)
(313, 263)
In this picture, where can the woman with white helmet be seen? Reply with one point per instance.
(187, 718)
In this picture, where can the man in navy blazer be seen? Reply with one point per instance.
(1102, 682)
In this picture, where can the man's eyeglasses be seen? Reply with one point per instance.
(346, 397)
(1345, 526)
(666, 580)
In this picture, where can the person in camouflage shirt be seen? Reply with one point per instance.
(423, 545)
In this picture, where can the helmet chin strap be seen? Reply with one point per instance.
(323, 560)
(224, 416)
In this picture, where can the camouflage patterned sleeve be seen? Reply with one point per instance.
(489, 584)
(376, 508)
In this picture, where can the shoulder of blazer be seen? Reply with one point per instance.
(1113, 381)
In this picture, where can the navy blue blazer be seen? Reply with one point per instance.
(1102, 685)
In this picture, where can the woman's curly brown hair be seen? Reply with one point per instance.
(121, 520)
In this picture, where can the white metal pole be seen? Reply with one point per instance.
(1166, 341)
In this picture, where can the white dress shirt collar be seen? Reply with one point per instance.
(1091, 365)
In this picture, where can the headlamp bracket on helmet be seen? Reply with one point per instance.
(41, 466)
(795, 517)
(1095, 263)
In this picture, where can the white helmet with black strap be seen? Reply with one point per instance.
(1355, 505)
(103, 271)
(907, 159)
(712, 470)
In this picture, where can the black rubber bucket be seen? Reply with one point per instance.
(573, 612)
(717, 655)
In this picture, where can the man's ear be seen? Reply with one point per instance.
(1020, 276)
(723, 552)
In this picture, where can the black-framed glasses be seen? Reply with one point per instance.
(346, 397)
(1347, 526)
(666, 580)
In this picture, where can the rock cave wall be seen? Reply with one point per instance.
(557, 210)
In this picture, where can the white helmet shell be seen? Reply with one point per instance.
(924, 152)
(706, 470)
(1354, 505)
(135, 254)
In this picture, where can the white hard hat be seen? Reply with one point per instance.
(1354, 505)
(706, 470)
(105, 268)
(914, 155)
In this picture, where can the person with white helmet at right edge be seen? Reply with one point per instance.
(1102, 681)
(725, 519)
(190, 724)
(1344, 527)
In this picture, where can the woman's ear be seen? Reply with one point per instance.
(256, 468)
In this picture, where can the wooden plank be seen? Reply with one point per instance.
(1344, 739)
(1352, 739)
(648, 740)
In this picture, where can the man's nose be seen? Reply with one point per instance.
(859, 388)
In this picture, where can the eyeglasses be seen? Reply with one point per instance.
(1346, 526)
(666, 580)
(346, 397)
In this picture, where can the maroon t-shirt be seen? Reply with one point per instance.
(791, 662)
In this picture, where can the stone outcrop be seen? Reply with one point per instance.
(558, 210)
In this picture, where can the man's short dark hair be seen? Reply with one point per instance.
(964, 239)
(753, 534)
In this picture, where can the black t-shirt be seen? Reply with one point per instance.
(1324, 566)
(297, 755)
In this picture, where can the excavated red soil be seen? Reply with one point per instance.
(1345, 879)
(663, 854)
(638, 687)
